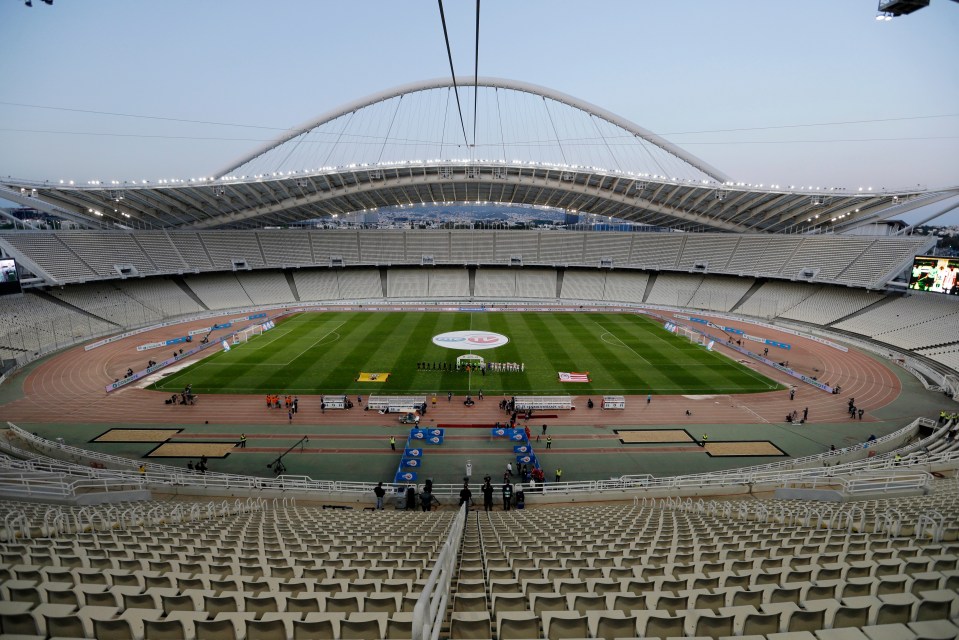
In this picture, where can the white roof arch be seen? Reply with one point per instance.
(488, 82)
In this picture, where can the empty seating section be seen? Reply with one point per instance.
(30, 324)
(227, 248)
(536, 283)
(188, 244)
(524, 244)
(674, 289)
(601, 246)
(219, 290)
(656, 250)
(407, 283)
(713, 250)
(316, 285)
(615, 571)
(427, 243)
(263, 573)
(583, 285)
(934, 332)
(473, 248)
(762, 254)
(105, 250)
(106, 300)
(625, 286)
(161, 295)
(911, 319)
(720, 293)
(774, 298)
(286, 248)
(449, 283)
(382, 247)
(829, 255)
(859, 261)
(495, 283)
(51, 255)
(558, 249)
(266, 287)
(159, 248)
(327, 245)
(948, 356)
(828, 304)
(359, 284)
(883, 257)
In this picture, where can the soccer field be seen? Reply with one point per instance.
(325, 352)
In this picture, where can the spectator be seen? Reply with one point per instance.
(379, 492)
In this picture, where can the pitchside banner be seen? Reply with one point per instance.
(141, 374)
(166, 343)
(786, 370)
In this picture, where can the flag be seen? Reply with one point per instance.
(573, 377)
(372, 377)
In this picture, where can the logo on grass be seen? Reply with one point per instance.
(470, 340)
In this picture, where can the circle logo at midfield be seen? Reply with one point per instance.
(470, 340)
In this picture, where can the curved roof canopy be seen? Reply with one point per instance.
(404, 146)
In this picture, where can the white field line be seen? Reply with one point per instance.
(606, 332)
(315, 342)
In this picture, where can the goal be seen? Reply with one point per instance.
(242, 336)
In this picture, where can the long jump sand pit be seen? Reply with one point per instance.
(192, 450)
(743, 449)
(136, 435)
(638, 436)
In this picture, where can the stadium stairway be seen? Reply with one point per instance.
(180, 282)
(290, 281)
(73, 308)
(650, 282)
(749, 294)
(873, 306)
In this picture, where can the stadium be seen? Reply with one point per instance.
(706, 408)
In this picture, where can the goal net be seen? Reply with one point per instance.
(243, 336)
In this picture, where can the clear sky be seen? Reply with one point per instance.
(733, 82)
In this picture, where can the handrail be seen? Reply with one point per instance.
(431, 605)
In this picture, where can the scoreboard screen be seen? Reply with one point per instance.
(935, 274)
(9, 277)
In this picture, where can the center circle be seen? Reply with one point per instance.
(470, 340)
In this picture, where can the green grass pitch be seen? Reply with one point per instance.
(324, 352)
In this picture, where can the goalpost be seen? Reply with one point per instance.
(692, 336)
(244, 335)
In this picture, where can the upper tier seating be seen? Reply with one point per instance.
(83, 255)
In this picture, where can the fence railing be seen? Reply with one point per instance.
(161, 476)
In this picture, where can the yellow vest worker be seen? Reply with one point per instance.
(559, 474)
(703, 441)
(393, 443)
